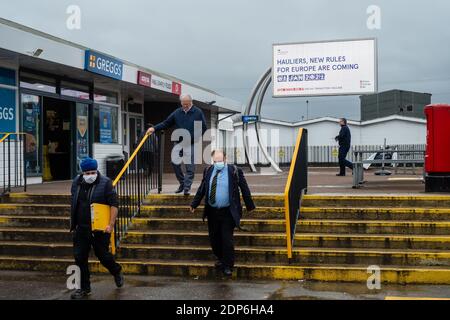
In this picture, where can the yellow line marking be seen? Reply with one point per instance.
(414, 298)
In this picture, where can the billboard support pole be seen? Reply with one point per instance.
(261, 87)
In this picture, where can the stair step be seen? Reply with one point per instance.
(22, 221)
(34, 209)
(192, 268)
(253, 255)
(378, 213)
(304, 226)
(301, 240)
(277, 200)
(377, 201)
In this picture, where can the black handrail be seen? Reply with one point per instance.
(141, 174)
(296, 187)
(12, 161)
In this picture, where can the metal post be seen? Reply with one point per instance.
(161, 160)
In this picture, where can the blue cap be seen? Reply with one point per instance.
(88, 164)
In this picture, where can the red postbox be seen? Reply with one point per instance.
(437, 157)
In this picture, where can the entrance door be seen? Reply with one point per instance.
(81, 134)
(136, 127)
(57, 139)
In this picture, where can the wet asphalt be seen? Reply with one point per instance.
(29, 285)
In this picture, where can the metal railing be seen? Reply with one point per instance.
(296, 187)
(13, 173)
(141, 174)
(317, 155)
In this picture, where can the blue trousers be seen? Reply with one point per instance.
(185, 179)
(342, 161)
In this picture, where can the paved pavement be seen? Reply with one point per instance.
(320, 181)
(29, 285)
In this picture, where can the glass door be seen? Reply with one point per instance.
(32, 126)
(135, 132)
(82, 134)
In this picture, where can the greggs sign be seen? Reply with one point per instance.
(101, 64)
(159, 83)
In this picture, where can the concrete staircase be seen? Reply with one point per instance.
(338, 238)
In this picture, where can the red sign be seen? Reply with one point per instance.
(176, 88)
(144, 79)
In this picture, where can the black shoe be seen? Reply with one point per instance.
(180, 189)
(340, 175)
(118, 279)
(227, 272)
(187, 193)
(80, 294)
(218, 265)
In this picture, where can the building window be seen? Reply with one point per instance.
(135, 108)
(103, 96)
(74, 90)
(106, 124)
(37, 82)
(409, 108)
(7, 77)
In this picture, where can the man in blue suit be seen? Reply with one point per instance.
(221, 186)
(344, 139)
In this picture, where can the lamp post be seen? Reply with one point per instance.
(307, 109)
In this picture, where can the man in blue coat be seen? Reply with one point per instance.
(184, 118)
(344, 139)
(221, 186)
(87, 188)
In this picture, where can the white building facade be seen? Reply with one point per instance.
(72, 101)
(280, 136)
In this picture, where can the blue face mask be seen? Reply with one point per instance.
(219, 165)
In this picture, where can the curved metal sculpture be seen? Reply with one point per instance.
(261, 87)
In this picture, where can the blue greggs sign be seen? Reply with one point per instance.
(102, 64)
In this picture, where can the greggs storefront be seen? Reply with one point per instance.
(72, 102)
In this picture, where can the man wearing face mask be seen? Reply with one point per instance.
(221, 186)
(87, 188)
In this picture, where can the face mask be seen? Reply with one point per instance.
(219, 165)
(90, 178)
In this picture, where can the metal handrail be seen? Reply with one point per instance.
(14, 173)
(296, 187)
(141, 173)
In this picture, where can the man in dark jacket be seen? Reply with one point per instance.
(184, 118)
(220, 187)
(344, 140)
(87, 188)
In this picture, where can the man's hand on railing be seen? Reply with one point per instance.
(150, 131)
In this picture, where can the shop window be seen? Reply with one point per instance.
(31, 106)
(74, 90)
(37, 82)
(106, 124)
(103, 96)
(135, 108)
(7, 77)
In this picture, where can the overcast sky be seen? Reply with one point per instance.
(226, 45)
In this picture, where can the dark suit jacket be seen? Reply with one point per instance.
(344, 137)
(236, 181)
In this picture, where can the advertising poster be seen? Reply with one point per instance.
(105, 125)
(346, 67)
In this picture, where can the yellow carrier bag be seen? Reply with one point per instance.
(100, 218)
